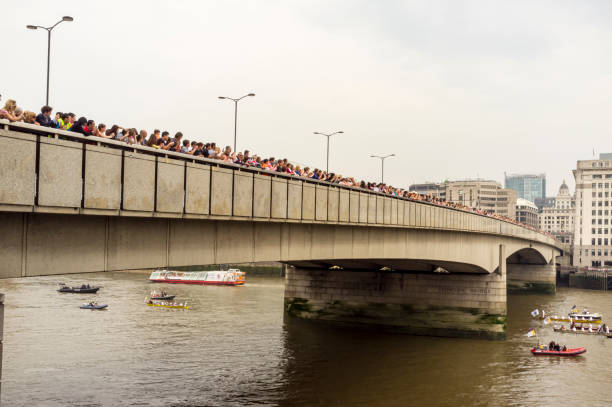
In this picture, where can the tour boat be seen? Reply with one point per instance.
(219, 277)
(543, 351)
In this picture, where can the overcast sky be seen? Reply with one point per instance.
(456, 89)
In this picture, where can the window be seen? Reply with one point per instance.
(593, 242)
(594, 194)
(597, 176)
(599, 195)
(599, 242)
(593, 221)
(599, 231)
(598, 221)
(599, 212)
(592, 253)
(593, 212)
(605, 252)
(606, 242)
(593, 185)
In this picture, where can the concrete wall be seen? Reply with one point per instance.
(534, 278)
(424, 304)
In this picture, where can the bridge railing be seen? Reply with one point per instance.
(55, 171)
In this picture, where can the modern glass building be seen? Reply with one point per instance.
(531, 187)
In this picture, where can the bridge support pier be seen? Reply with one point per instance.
(532, 278)
(437, 304)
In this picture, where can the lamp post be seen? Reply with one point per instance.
(236, 113)
(328, 136)
(382, 165)
(34, 27)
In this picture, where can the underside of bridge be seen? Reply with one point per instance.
(433, 282)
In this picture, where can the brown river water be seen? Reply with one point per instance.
(236, 348)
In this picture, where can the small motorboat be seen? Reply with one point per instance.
(543, 351)
(93, 305)
(162, 296)
(83, 289)
(166, 304)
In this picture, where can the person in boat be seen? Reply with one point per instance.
(551, 345)
(558, 347)
(564, 348)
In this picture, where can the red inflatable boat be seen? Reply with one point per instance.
(568, 352)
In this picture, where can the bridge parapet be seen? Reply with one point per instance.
(53, 171)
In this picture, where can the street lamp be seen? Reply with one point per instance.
(382, 165)
(236, 113)
(328, 136)
(34, 27)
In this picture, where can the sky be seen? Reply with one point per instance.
(456, 89)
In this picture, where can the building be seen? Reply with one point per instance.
(547, 202)
(593, 212)
(527, 213)
(480, 194)
(527, 186)
(558, 219)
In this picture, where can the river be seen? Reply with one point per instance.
(235, 348)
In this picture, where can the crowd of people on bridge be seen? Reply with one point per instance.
(161, 140)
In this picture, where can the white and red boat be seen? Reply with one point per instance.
(218, 277)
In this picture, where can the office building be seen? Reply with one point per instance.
(558, 219)
(593, 212)
(527, 186)
(480, 194)
(527, 213)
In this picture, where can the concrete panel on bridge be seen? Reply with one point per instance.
(387, 211)
(380, 210)
(191, 242)
(299, 238)
(294, 199)
(262, 192)
(343, 242)
(243, 193)
(102, 188)
(354, 206)
(371, 208)
(197, 189)
(60, 173)
(11, 244)
(170, 185)
(363, 207)
(235, 242)
(344, 208)
(394, 209)
(267, 241)
(221, 191)
(321, 203)
(322, 242)
(333, 204)
(279, 198)
(64, 244)
(138, 182)
(137, 243)
(18, 163)
(308, 201)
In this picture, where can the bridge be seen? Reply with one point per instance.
(73, 204)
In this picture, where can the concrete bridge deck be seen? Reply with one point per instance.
(72, 204)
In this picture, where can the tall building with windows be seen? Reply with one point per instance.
(593, 212)
(531, 187)
(527, 213)
(558, 218)
(480, 194)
